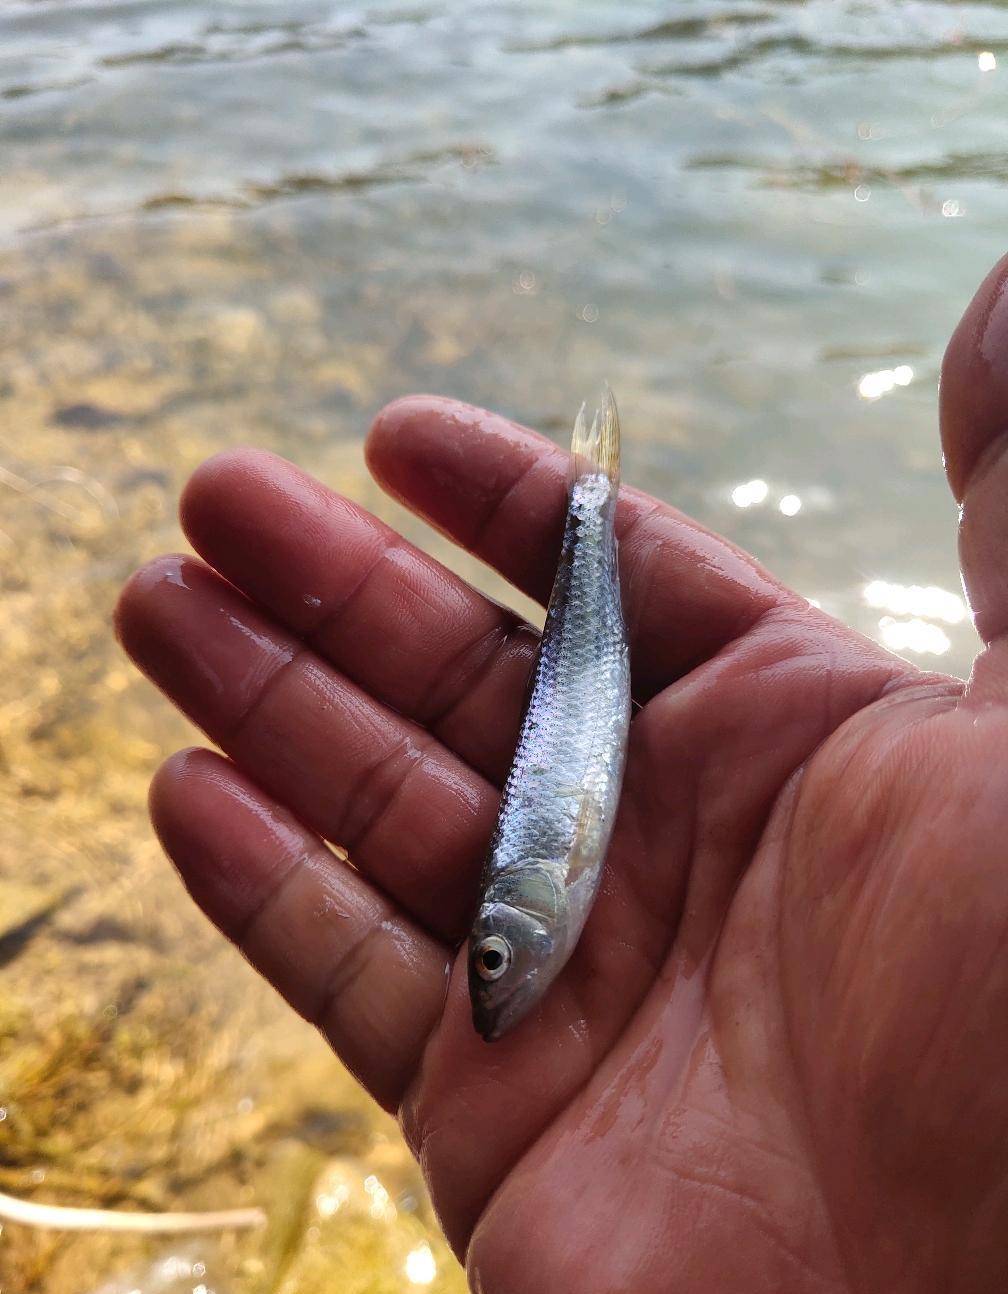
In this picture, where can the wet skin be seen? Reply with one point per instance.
(778, 1060)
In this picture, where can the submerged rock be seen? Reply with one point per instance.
(86, 417)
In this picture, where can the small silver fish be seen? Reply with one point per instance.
(559, 801)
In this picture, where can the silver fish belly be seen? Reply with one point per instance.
(559, 802)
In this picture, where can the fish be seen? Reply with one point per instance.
(545, 858)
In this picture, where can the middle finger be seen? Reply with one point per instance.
(403, 627)
(413, 816)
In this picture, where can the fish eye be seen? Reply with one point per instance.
(493, 957)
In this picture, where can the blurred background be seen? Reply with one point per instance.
(256, 223)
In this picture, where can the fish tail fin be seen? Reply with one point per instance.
(596, 448)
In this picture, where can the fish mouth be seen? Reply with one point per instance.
(486, 1022)
(493, 1022)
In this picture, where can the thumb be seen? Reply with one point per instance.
(974, 429)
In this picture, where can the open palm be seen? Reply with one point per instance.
(778, 1059)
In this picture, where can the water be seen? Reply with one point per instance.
(258, 222)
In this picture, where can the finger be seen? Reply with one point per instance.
(413, 816)
(405, 629)
(974, 422)
(342, 956)
(500, 490)
(973, 392)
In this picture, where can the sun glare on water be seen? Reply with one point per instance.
(421, 1267)
(911, 612)
(880, 382)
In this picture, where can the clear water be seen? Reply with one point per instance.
(733, 210)
(258, 222)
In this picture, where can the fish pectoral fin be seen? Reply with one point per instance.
(584, 845)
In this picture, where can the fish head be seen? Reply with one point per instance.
(513, 949)
(509, 956)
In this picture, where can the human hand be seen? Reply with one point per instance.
(777, 1059)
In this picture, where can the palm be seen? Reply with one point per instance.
(772, 1062)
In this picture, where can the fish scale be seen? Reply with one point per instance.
(560, 798)
(572, 723)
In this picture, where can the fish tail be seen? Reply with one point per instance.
(597, 448)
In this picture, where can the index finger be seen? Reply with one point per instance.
(499, 490)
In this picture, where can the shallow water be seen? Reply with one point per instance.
(259, 222)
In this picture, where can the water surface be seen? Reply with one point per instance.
(257, 222)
